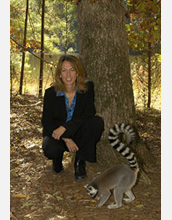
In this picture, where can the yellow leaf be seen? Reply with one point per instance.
(79, 197)
(59, 198)
(92, 205)
(19, 196)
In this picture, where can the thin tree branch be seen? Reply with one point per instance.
(26, 49)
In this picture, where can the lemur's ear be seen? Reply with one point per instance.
(85, 186)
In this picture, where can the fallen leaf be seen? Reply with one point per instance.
(48, 207)
(147, 195)
(31, 146)
(79, 197)
(19, 196)
(26, 204)
(59, 198)
(137, 202)
(125, 207)
(139, 206)
(12, 216)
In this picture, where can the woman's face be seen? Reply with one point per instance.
(68, 74)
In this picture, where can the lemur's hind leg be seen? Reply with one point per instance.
(118, 196)
(130, 195)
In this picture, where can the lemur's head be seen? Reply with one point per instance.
(91, 190)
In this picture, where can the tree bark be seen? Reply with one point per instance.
(104, 50)
(24, 45)
(42, 50)
(66, 29)
(149, 75)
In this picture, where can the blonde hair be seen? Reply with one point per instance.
(78, 67)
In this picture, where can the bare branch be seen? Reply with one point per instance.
(26, 49)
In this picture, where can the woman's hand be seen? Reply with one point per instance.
(72, 147)
(58, 132)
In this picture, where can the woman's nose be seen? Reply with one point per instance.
(68, 73)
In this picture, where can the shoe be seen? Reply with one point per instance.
(57, 166)
(80, 172)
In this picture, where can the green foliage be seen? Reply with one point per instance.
(145, 24)
(139, 74)
(144, 36)
(17, 13)
(60, 34)
(60, 25)
(15, 69)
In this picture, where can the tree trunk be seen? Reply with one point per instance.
(66, 28)
(11, 78)
(149, 75)
(24, 45)
(104, 51)
(42, 50)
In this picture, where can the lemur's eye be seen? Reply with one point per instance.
(90, 188)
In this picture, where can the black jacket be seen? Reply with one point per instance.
(54, 111)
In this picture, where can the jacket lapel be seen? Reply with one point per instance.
(79, 98)
(61, 104)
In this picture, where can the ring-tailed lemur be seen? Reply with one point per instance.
(120, 178)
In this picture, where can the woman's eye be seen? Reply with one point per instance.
(65, 70)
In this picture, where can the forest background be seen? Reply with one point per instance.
(28, 75)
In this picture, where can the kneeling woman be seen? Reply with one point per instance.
(69, 121)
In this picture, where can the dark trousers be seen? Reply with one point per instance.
(85, 138)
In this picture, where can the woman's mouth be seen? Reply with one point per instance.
(68, 79)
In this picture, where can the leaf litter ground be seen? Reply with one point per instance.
(39, 194)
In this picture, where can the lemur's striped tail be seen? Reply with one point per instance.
(122, 148)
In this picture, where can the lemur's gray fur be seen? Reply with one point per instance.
(120, 178)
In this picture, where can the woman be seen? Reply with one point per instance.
(69, 121)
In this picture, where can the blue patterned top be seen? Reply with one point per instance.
(70, 109)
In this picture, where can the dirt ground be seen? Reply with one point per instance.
(39, 194)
